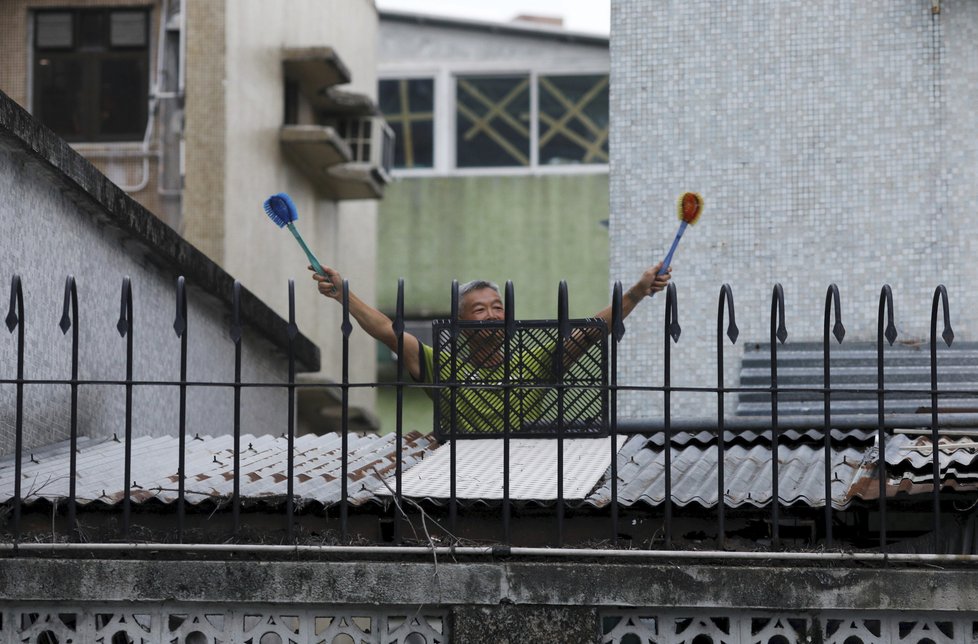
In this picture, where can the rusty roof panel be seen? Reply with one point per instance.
(209, 463)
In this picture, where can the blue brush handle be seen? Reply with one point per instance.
(312, 258)
(675, 242)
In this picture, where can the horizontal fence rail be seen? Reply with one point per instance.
(553, 381)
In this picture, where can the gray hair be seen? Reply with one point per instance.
(476, 285)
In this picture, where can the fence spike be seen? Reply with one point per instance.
(617, 323)
(886, 301)
(16, 293)
(510, 309)
(726, 296)
(398, 325)
(940, 296)
(235, 329)
(672, 311)
(778, 301)
(180, 321)
(65, 322)
(346, 327)
(124, 325)
(293, 328)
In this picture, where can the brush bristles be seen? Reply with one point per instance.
(690, 207)
(280, 209)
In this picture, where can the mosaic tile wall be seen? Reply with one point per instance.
(832, 142)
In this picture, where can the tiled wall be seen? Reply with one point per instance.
(832, 142)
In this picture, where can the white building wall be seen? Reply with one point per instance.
(262, 256)
(832, 142)
(412, 46)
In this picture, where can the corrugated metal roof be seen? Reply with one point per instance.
(916, 453)
(786, 436)
(210, 468)
(532, 476)
(533, 470)
(801, 478)
(747, 475)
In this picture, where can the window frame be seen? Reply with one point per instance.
(445, 121)
(90, 134)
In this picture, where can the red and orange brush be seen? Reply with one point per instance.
(690, 207)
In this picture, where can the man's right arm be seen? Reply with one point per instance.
(371, 320)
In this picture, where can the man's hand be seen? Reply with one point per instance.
(330, 285)
(650, 283)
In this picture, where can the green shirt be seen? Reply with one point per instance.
(480, 406)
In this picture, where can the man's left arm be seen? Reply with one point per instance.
(647, 285)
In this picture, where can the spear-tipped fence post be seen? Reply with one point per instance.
(69, 320)
(453, 411)
(124, 327)
(778, 334)
(347, 328)
(563, 333)
(15, 320)
(180, 327)
(832, 302)
(508, 333)
(293, 333)
(890, 334)
(399, 428)
(617, 333)
(726, 303)
(235, 332)
(940, 297)
(672, 332)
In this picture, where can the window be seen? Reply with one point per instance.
(492, 121)
(512, 122)
(573, 119)
(91, 77)
(409, 107)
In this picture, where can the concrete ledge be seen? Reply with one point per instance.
(490, 583)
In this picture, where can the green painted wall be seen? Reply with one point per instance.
(533, 230)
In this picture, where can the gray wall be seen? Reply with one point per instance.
(60, 217)
(832, 143)
(481, 601)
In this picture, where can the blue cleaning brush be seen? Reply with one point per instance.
(282, 211)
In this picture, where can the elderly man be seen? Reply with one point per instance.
(478, 300)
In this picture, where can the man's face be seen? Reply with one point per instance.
(481, 304)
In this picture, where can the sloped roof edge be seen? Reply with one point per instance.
(107, 203)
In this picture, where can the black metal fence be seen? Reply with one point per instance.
(582, 397)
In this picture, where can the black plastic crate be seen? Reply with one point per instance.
(545, 385)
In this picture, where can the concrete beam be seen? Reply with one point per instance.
(489, 583)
